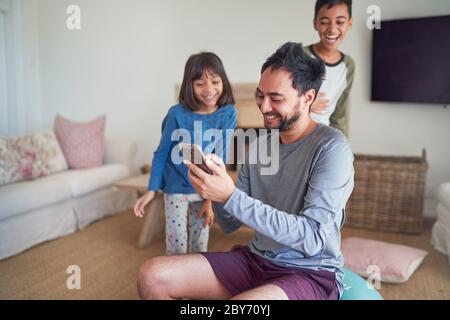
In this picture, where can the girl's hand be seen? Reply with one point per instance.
(142, 202)
(320, 105)
(207, 211)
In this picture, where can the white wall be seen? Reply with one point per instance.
(392, 128)
(128, 56)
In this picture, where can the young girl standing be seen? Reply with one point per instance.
(205, 102)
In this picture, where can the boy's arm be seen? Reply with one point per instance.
(329, 187)
(339, 119)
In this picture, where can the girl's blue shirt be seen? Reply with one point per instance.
(183, 125)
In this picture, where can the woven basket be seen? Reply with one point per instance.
(388, 193)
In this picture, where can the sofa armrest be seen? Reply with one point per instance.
(120, 151)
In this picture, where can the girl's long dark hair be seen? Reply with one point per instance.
(195, 66)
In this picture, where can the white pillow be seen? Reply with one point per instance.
(396, 263)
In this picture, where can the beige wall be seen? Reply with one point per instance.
(128, 56)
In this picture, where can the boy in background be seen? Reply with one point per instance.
(332, 20)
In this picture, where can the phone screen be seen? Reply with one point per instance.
(194, 154)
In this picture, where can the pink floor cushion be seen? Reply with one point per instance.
(82, 143)
(395, 263)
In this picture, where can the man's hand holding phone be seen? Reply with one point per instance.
(218, 186)
(194, 154)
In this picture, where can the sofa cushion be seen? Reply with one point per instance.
(23, 196)
(82, 143)
(84, 181)
(30, 157)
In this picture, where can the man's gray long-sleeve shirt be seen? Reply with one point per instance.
(297, 212)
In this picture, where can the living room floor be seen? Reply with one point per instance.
(108, 258)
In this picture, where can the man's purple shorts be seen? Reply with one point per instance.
(240, 270)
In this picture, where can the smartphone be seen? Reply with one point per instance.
(194, 154)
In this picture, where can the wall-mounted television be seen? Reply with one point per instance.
(411, 61)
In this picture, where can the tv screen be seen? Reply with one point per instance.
(411, 61)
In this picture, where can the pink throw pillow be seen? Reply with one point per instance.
(396, 262)
(81, 143)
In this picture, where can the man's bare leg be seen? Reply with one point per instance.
(179, 276)
(264, 292)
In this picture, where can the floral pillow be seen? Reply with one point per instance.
(30, 157)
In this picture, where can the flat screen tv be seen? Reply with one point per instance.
(411, 61)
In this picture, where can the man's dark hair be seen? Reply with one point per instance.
(332, 3)
(307, 72)
(195, 66)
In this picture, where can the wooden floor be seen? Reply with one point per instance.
(109, 260)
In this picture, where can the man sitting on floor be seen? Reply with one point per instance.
(297, 212)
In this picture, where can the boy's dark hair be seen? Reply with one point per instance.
(193, 70)
(332, 3)
(307, 72)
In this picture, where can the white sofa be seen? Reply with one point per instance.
(35, 211)
(440, 236)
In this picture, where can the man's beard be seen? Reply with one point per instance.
(286, 124)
